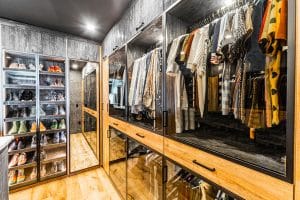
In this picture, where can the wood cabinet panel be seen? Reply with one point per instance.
(240, 180)
(21, 38)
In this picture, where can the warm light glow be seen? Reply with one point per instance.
(90, 27)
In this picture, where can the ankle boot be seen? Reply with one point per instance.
(23, 128)
(62, 124)
(13, 129)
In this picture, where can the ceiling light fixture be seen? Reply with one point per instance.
(90, 27)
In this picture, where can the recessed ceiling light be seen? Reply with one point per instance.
(90, 27)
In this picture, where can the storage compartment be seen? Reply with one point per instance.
(183, 184)
(117, 84)
(144, 172)
(144, 61)
(226, 90)
(117, 160)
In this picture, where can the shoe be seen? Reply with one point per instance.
(22, 66)
(60, 97)
(43, 171)
(51, 69)
(54, 124)
(43, 155)
(57, 69)
(14, 66)
(12, 177)
(23, 128)
(61, 110)
(21, 176)
(9, 96)
(14, 160)
(33, 174)
(56, 138)
(27, 95)
(59, 83)
(54, 167)
(62, 138)
(33, 127)
(42, 127)
(61, 166)
(14, 128)
(15, 97)
(23, 113)
(32, 111)
(62, 124)
(33, 142)
(22, 159)
(42, 112)
(21, 145)
(56, 111)
(44, 140)
(41, 67)
(13, 146)
(31, 66)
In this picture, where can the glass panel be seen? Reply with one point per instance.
(144, 173)
(84, 138)
(182, 184)
(90, 90)
(19, 117)
(145, 78)
(117, 84)
(226, 91)
(52, 114)
(117, 160)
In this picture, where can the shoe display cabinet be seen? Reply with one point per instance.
(34, 112)
(135, 170)
(221, 146)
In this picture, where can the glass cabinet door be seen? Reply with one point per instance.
(227, 92)
(90, 90)
(182, 184)
(53, 132)
(144, 173)
(117, 84)
(117, 160)
(20, 117)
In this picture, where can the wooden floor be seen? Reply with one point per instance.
(82, 156)
(89, 185)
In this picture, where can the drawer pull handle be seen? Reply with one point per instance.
(139, 135)
(115, 124)
(201, 165)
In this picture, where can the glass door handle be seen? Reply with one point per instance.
(204, 166)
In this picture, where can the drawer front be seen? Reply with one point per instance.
(240, 180)
(143, 136)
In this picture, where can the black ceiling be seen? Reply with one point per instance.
(69, 16)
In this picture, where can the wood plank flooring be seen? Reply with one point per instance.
(89, 185)
(82, 156)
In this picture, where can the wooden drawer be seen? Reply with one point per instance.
(148, 138)
(240, 180)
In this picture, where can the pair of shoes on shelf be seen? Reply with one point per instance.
(13, 96)
(16, 144)
(17, 160)
(58, 166)
(34, 127)
(21, 66)
(57, 83)
(43, 156)
(55, 125)
(15, 112)
(59, 110)
(16, 176)
(55, 68)
(33, 112)
(59, 137)
(18, 128)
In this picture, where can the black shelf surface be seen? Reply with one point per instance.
(23, 134)
(28, 165)
(51, 88)
(15, 86)
(53, 146)
(21, 103)
(28, 148)
(52, 73)
(52, 102)
(13, 119)
(52, 117)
